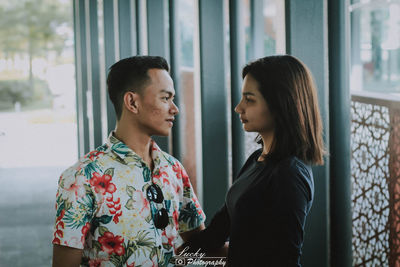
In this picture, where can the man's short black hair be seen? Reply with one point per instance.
(130, 74)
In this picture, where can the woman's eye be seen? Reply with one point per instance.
(248, 100)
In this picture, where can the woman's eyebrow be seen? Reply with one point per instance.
(247, 93)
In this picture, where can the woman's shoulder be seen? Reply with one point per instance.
(295, 166)
(253, 157)
(293, 172)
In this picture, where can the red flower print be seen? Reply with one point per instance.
(95, 263)
(112, 244)
(130, 265)
(177, 169)
(168, 235)
(114, 206)
(160, 173)
(59, 232)
(116, 217)
(175, 217)
(154, 146)
(185, 179)
(102, 183)
(92, 155)
(85, 229)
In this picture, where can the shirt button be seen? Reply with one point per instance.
(159, 246)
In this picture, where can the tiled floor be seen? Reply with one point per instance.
(27, 213)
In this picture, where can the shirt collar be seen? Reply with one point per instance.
(128, 156)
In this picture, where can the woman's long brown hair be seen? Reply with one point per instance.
(290, 92)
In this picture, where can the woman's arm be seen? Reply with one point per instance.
(213, 237)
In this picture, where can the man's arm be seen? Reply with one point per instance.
(64, 256)
(186, 235)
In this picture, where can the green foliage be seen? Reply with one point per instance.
(30, 26)
(12, 91)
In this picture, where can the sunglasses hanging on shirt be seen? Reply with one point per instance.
(160, 218)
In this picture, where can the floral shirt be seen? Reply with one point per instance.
(101, 207)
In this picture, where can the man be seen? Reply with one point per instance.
(127, 202)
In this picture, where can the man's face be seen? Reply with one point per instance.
(158, 110)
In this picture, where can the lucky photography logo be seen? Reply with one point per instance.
(196, 258)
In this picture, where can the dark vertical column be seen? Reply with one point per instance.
(81, 76)
(237, 63)
(213, 105)
(157, 21)
(256, 29)
(158, 42)
(94, 71)
(175, 66)
(339, 119)
(306, 31)
(110, 55)
(127, 46)
(394, 184)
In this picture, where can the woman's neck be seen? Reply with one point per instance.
(268, 140)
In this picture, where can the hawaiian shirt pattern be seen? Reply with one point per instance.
(101, 207)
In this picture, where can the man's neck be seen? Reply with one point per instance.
(136, 140)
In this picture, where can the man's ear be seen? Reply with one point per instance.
(131, 102)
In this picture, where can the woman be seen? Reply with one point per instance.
(265, 209)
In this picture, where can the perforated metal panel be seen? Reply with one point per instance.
(375, 182)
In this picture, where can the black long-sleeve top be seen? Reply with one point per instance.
(264, 214)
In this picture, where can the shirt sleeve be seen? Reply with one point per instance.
(292, 191)
(75, 208)
(191, 215)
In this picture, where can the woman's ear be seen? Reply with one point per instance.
(131, 102)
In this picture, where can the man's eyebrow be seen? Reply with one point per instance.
(167, 92)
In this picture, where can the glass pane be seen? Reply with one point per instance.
(274, 27)
(374, 82)
(190, 94)
(375, 60)
(38, 132)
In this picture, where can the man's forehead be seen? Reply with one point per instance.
(157, 71)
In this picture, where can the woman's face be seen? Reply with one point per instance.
(253, 109)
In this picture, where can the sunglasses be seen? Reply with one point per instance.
(160, 217)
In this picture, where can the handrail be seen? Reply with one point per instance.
(388, 100)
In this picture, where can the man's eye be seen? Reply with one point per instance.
(165, 98)
(248, 100)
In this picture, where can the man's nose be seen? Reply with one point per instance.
(174, 109)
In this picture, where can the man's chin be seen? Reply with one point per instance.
(162, 134)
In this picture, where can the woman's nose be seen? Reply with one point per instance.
(238, 109)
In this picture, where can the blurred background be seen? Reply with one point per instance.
(38, 132)
(54, 56)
